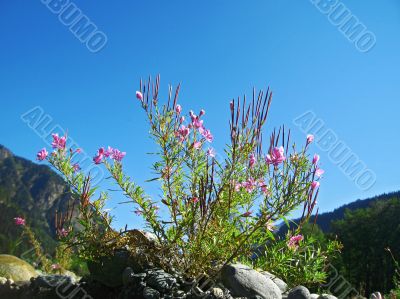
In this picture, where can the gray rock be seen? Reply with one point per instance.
(217, 293)
(243, 281)
(149, 293)
(326, 296)
(14, 268)
(279, 282)
(160, 280)
(314, 296)
(299, 292)
(179, 294)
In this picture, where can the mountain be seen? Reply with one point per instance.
(324, 220)
(34, 192)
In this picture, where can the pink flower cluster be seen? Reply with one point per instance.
(250, 185)
(182, 133)
(295, 241)
(318, 172)
(196, 124)
(19, 221)
(112, 153)
(58, 142)
(276, 157)
(42, 154)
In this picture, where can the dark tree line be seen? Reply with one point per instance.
(365, 235)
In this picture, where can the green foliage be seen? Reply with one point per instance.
(395, 293)
(209, 202)
(303, 264)
(365, 233)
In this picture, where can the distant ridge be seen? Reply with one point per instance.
(324, 220)
(32, 191)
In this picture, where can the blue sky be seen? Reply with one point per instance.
(217, 50)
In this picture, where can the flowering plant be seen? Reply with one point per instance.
(298, 259)
(211, 202)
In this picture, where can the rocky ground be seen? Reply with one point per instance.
(235, 281)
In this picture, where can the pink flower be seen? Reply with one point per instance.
(195, 200)
(202, 112)
(252, 160)
(196, 145)
(207, 135)
(63, 232)
(310, 138)
(319, 172)
(315, 159)
(139, 95)
(182, 119)
(117, 155)
(276, 157)
(55, 267)
(182, 133)
(197, 123)
(19, 221)
(247, 214)
(108, 152)
(178, 109)
(249, 185)
(314, 185)
(76, 167)
(42, 154)
(99, 156)
(58, 142)
(211, 152)
(295, 241)
(193, 116)
(78, 150)
(238, 186)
